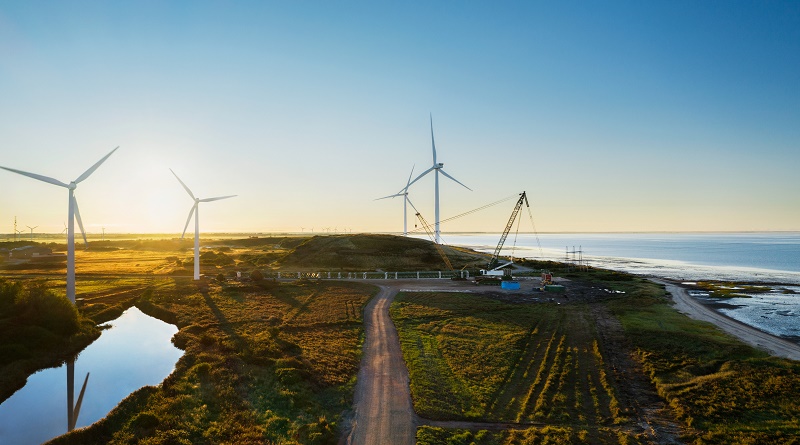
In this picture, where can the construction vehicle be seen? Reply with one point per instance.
(495, 269)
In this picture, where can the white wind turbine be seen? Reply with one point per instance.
(31, 231)
(404, 193)
(196, 211)
(73, 214)
(438, 168)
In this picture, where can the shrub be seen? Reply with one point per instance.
(40, 307)
(256, 276)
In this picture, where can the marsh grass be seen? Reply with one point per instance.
(722, 390)
(474, 358)
(264, 362)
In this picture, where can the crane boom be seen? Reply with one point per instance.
(517, 207)
(438, 247)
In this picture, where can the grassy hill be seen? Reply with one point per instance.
(363, 252)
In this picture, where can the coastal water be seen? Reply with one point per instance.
(136, 351)
(749, 258)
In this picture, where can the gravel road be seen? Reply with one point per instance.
(383, 410)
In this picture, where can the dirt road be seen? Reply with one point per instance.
(383, 410)
(694, 309)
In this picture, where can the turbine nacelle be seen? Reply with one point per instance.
(72, 185)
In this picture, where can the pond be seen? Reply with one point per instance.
(135, 352)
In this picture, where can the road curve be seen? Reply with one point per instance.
(748, 334)
(383, 410)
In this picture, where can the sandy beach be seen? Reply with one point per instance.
(752, 336)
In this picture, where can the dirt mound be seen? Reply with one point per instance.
(374, 252)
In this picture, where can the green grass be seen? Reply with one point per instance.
(371, 252)
(38, 329)
(264, 363)
(726, 391)
(474, 358)
(547, 435)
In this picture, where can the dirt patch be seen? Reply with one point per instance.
(653, 416)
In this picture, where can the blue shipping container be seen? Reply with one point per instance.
(510, 285)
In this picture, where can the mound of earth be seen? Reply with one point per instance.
(375, 252)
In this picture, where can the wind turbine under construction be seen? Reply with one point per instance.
(437, 167)
(196, 211)
(73, 214)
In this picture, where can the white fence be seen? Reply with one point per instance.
(420, 275)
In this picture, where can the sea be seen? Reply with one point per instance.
(772, 259)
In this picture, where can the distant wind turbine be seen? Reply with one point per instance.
(31, 231)
(404, 193)
(438, 168)
(72, 215)
(196, 211)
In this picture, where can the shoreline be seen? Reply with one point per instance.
(753, 336)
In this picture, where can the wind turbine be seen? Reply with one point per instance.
(196, 211)
(31, 231)
(437, 167)
(72, 215)
(404, 193)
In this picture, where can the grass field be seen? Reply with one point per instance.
(264, 362)
(175, 257)
(723, 390)
(474, 358)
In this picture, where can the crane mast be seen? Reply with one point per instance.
(522, 198)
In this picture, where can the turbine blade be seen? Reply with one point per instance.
(408, 183)
(77, 409)
(454, 179)
(78, 218)
(217, 198)
(184, 185)
(420, 176)
(412, 204)
(390, 196)
(433, 144)
(94, 167)
(35, 176)
(191, 212)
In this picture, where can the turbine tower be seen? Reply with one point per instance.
(404, 193)
(196, 211)
(72, 214)
(437, 167)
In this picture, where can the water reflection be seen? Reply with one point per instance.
(73, 410)
(135, 352)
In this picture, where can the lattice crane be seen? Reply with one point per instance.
(493, 262)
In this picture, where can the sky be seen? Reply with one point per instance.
(612, 116)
